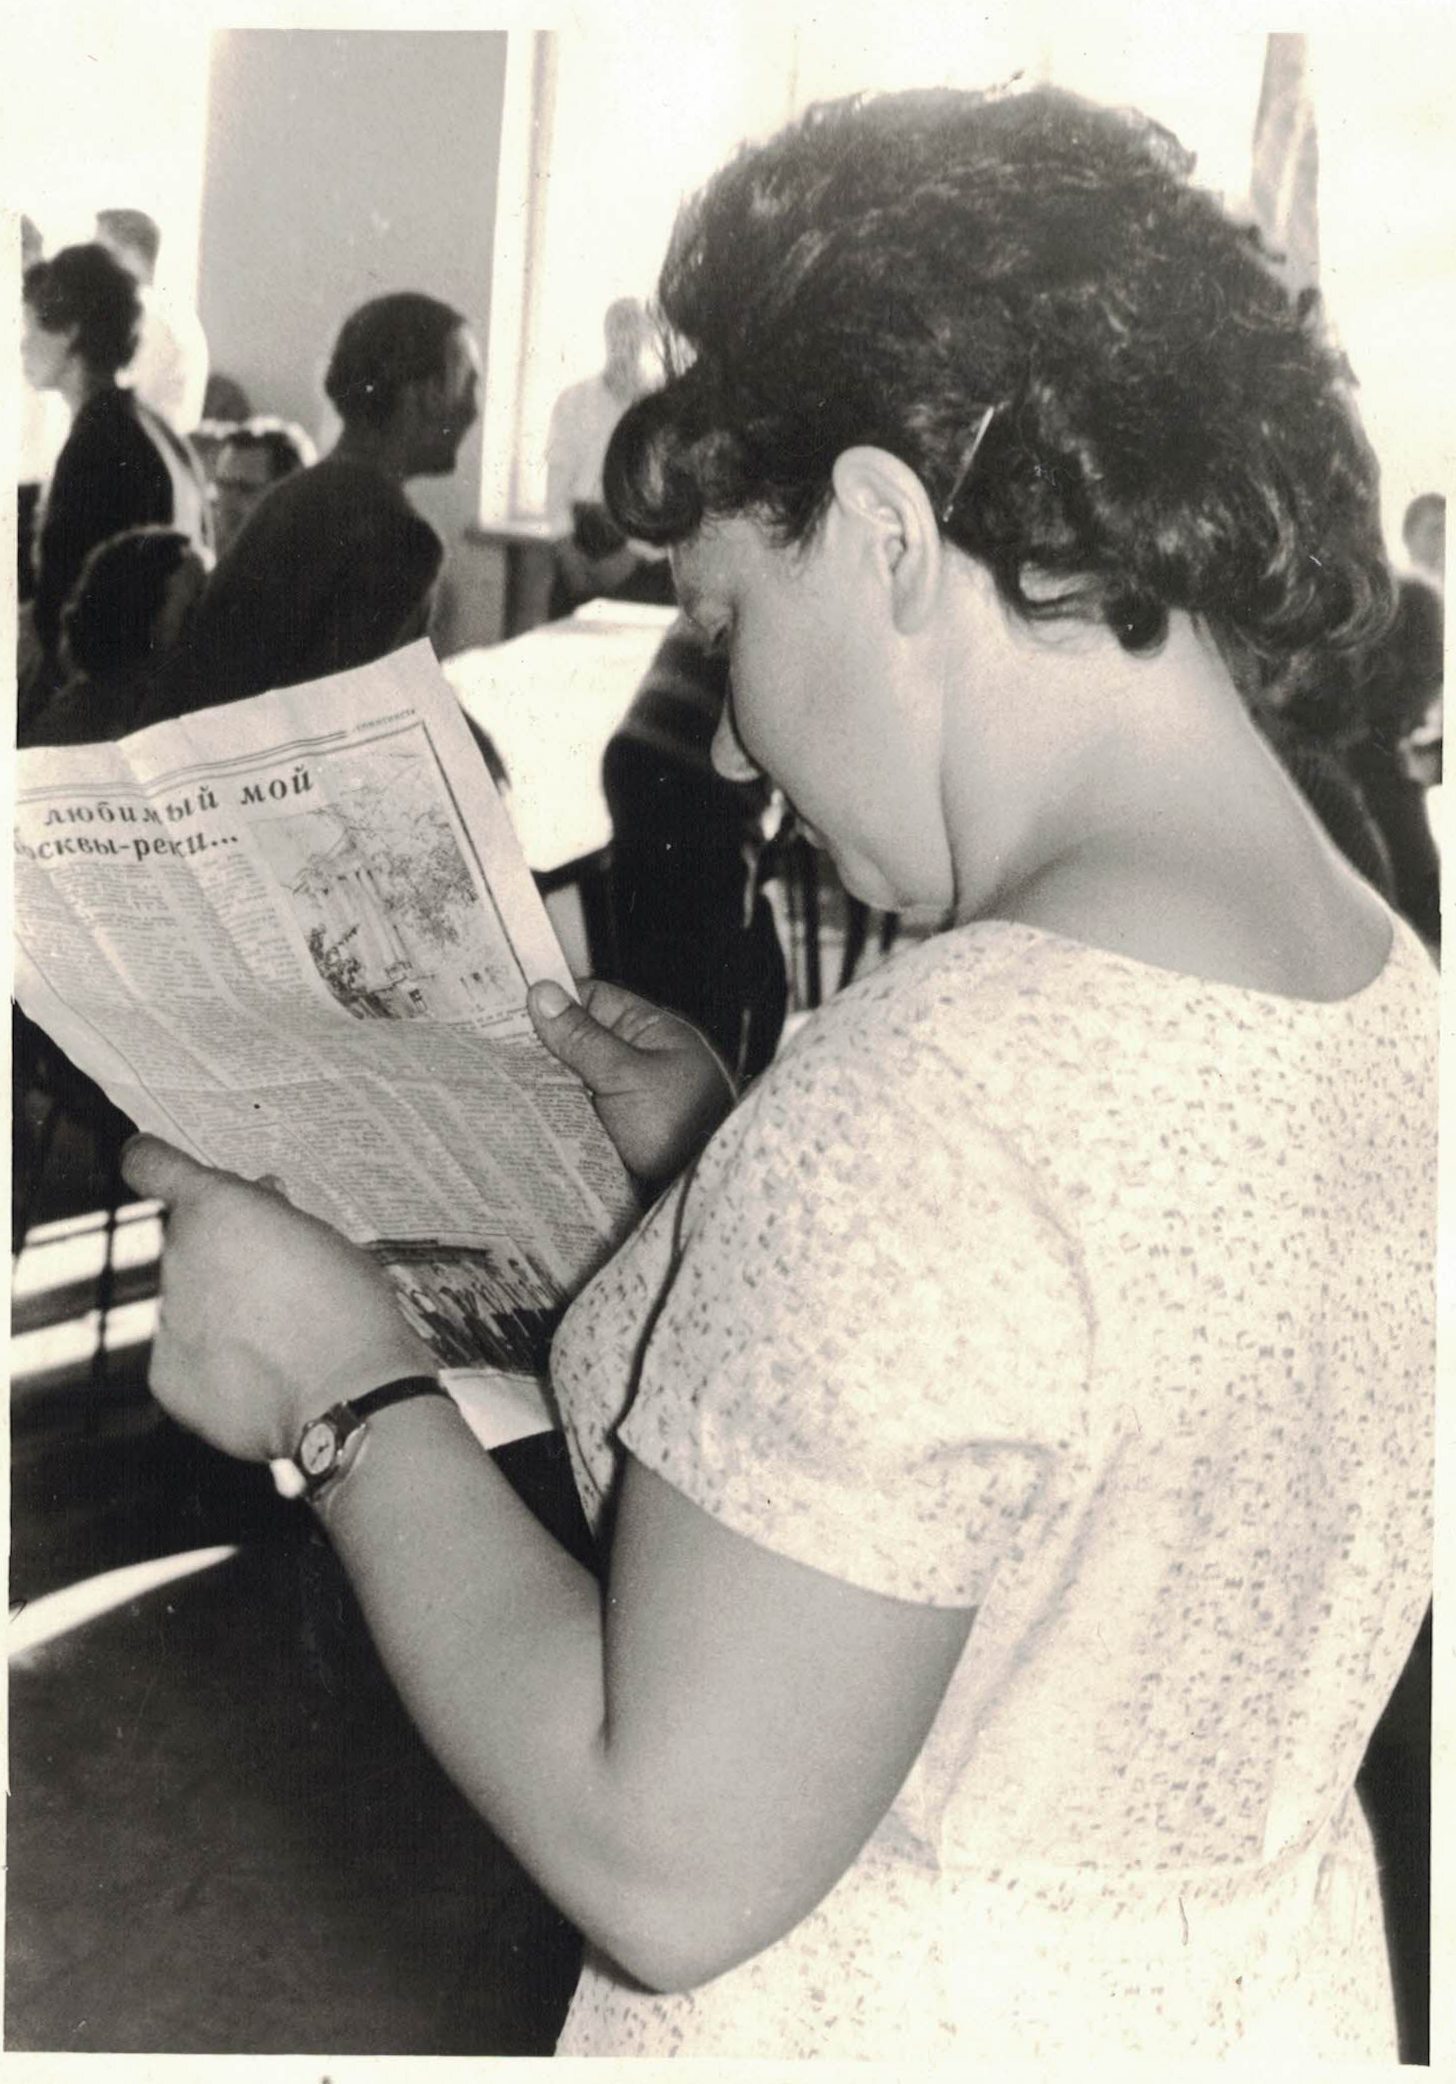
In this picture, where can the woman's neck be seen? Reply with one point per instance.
(1148, 816)
(1061, 745)
(78, 384)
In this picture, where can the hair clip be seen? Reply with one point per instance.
(965, 470)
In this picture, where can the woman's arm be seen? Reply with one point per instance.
(687, 1761)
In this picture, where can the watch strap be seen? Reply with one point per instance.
(399, 1392)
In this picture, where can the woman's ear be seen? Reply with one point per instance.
(885, 503)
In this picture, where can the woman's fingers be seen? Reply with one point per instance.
(609, 1003)
(578, 1039)
(649, 1027)
(158, 1171)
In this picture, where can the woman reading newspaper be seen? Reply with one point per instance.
(1009, 1430)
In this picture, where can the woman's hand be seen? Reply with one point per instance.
(268, 1316)
(658, 1086)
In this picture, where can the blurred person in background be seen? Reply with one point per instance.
(122, 465)
(1315, 739)
(168, 372)
(129, 609)
(1397, 757)
(249, 461)
(1423, 531)
(1425, 544)
(592, 555)
(1364, 746)
(335, 567)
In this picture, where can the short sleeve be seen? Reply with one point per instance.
(873, 1352)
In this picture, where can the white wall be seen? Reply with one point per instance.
(1388, 238)
(341, 165)
(646, 104)
(106, 108)
(650, 99)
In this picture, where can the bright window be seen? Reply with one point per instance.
(610, 123)
(600, 142)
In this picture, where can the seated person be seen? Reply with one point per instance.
(131, 605)
(226, 405)
(250, 460)
(691, 929)
(335, 567)
(593, 557)
(1398, 755)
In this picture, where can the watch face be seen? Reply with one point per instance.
(318, 1447)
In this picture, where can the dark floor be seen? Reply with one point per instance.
(224, 1835)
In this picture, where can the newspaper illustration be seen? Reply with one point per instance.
(293, 935)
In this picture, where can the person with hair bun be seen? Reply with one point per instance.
(1009, 1431)
(122, 466)
(252, 457)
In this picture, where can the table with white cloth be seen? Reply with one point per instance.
(550, 700)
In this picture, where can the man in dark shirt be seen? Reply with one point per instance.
(335, 567)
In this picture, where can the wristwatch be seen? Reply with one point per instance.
(329, 1443)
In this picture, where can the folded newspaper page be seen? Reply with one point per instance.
(293, 936)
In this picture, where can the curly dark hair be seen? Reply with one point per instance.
(108, 619)
(387, 343)
(84, 288)
(1169, 429)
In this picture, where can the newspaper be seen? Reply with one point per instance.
(293, 936)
